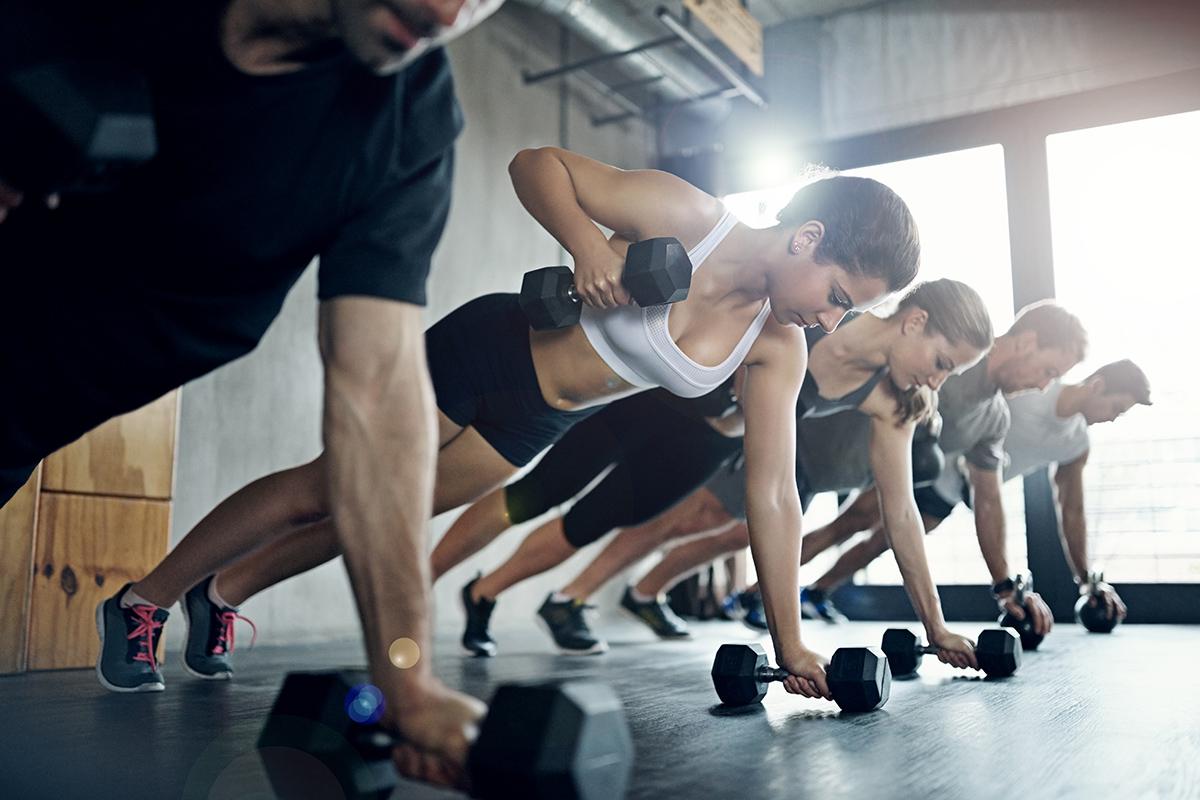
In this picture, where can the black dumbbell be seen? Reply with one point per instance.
(657, 271)
(858, 677)
(1091, 611)
(73, 126)
(1030, 638)
(998, 651)
(569, 740)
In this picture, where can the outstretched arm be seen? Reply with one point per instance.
(1068, 481)
(891, 463)
(772, 501)
(990, 526)
(380, 437)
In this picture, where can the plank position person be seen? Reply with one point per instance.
(111, 300)
(506, 392)
(1048, 428)
(1042, 343)
(888, 367)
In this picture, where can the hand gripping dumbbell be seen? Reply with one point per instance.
(1030, 638)
(998, 651)
(1090, 609)
(858, 677)
(570, 740)
(657, 271)
(73, 125)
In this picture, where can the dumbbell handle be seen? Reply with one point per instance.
(771, 674)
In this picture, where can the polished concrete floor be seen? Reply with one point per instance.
(1088, 716)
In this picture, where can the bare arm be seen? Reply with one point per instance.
(772, 502)
(1068, 480)
(989, 520)
(380, 436)
(891, 463)
(569, 194)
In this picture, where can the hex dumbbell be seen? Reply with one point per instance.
(570, 740)
(657, 271)
(858, 677)
(1091, 611)
(998, 651)
(1030, 638)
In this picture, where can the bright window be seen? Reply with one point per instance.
(1124, 213)
(961, 208)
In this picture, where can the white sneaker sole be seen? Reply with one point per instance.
(601, 646)
(156, 686)
(634, 616)
(187, 634)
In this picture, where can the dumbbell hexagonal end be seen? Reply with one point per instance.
(734, 674)
(1094, 616)
(546, 299)
(900, 647)
(312, 747)
(1030, 639)
(859, 678)
(552, 740)
(998, 652)
(657, 271)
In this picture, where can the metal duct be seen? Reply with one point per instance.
(611, 27)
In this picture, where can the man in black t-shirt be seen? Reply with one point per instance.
(287, 130)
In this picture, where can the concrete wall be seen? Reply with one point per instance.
(907, 62)
(903, 63)
(263, 413)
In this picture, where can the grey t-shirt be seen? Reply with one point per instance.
(975, 418)
(1037, 437)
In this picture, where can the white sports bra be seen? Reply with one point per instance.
(637, 345)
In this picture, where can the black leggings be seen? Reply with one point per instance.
(658, 456)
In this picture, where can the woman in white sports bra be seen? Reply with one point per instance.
(505, 392)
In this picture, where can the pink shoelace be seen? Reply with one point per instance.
(225, 638)
(147, 625)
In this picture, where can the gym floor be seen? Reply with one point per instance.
(1087, 716)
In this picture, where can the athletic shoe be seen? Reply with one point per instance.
(128, 645)
(732, 608)
(815, 605)
(656, 615)
(475, 639)
(755, 616)
(209, 641)
(565, 623)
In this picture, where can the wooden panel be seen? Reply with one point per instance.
(87, 548)
(131, 456)
(736, 27)
(18, 522)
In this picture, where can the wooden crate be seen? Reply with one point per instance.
(87, 548)
(17, 524)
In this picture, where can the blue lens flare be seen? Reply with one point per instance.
(364, 704)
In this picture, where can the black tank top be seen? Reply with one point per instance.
(812, 404)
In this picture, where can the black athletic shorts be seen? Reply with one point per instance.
(932, 504)
(483, 376)
(728, 485)
(657, 455)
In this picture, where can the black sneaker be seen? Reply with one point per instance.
(656, 615)
(755, 616)
(475, 639)
(209, 641)
(565, 623)
(128, 644)
(814, 604)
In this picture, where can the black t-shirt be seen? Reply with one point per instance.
(254, 175)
